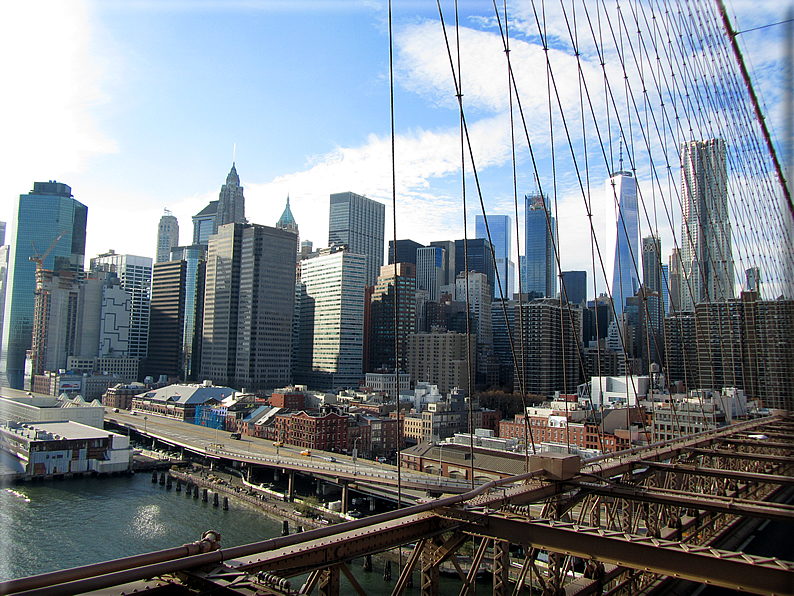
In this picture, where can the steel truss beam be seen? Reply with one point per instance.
(720, 473)
(334, 550)
(703, 564)
(674, 498)
(742, 455)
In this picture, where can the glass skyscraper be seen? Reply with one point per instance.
(52, 220)
(621, 195)
(499, 226)
(540, 275)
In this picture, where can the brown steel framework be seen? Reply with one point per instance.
(631, 523)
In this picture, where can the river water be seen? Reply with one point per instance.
(56, 525)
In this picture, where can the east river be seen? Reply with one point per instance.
(55, 525)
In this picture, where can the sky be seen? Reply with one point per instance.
(143, 105)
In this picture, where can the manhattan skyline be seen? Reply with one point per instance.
(148, 121)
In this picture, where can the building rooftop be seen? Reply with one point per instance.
(48, 431)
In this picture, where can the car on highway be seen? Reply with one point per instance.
(278, 443)
(237, 436)
(306, 452)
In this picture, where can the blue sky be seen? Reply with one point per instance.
(138, 105)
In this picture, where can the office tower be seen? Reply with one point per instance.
(430, 271)
(382, 318)
(441, 359)
(358, 222)
(66, 319)
(406, 251)
(480, 258)
(167, 236)
(666, 287)
(575, 284)
(195, 260)
(135, 276)
(500, 228)
(204, 224)
(287, 222)
(49, 219)
(550, 336)
(675, 278)
(166, 320)
(621, 199)
(331, 334)
(540, 278)
(231, 202)
(480, 297)
(248, 306)
(449, 263)
(2, 233)
(114, 325)
(653, 283)
(706, 256)
(503, 324)
(753, 279)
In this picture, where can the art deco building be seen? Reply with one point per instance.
(167, 236)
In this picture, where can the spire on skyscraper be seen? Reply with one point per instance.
(287, 221)
(231, 202)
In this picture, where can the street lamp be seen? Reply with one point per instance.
(145, 418)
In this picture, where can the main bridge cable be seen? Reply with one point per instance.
(754, 99)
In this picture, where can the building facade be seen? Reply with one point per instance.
(248, 306)
(706, 253)
(441, 359)
(34, 232)
(167, 236)
(331, 320)
(621, 200)
(358, 222)
(396, 284)
(135, 276)
(501, 235)
(539, 276)
(167, 318)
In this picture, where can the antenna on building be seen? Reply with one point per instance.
(620, 169)
(234, 153)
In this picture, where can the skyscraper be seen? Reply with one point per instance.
(48, 222)
(479, 258)
(358, 222)
(575, 283)
(167, 317)
(195, 259)
(621, 198)
(331, 323)
(231, 202)
(706, 254)
(430, 271)
(382, 316)
(406, 251)
(540, 236)
(248, 307)
(287, 222)
(500, 228)
(167, 236)
(204, 224)
(135, 275)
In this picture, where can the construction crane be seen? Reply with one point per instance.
(39, 259)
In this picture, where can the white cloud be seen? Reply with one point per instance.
(52, 81)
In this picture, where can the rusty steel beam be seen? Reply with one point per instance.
(338, 548)
(702, 564)
(757, 443)
(720, 473)
(717, 504)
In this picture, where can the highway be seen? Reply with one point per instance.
(217, 443)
